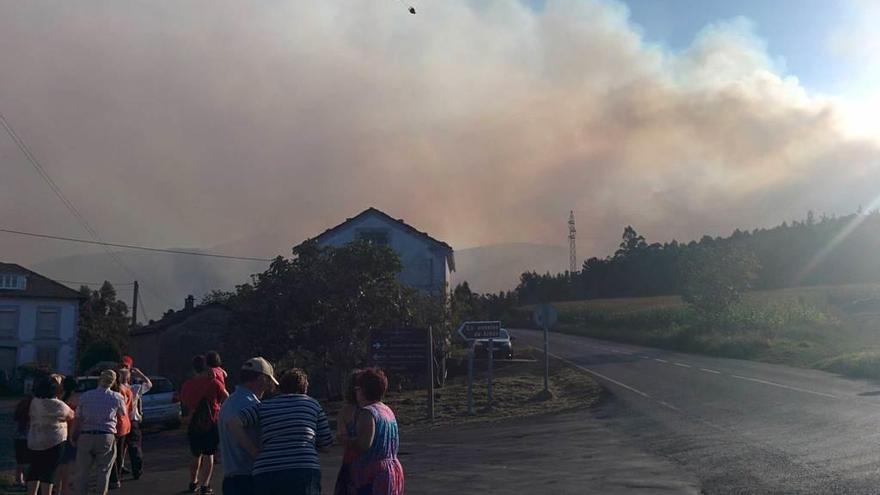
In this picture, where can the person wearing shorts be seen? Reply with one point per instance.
(201, 396)
(46, 436)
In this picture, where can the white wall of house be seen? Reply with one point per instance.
(39, 329)
(424, 266)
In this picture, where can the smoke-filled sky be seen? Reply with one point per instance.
(255, 124)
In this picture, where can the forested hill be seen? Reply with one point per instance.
(823, 251)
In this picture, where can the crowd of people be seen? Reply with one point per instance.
(67, 442)
(268, 432)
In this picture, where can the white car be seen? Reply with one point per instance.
(161, 405)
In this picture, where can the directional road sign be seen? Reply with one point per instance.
(472, 330)
(399, 348)
(545, 316)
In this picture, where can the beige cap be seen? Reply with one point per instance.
(260, 365)
(107, 379)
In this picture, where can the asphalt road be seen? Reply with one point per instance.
(570, 453)
(738, 426)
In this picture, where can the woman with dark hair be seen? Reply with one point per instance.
(68, 452)
(212, 358)
(377, 469)
(48, 431)
(345, 431)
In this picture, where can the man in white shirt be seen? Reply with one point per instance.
(133, 444)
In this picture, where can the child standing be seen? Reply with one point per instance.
(216, 367)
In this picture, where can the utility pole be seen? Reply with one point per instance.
(134, 306)
(572, 249)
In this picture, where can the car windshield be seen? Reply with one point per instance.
(86, 384)
(161, 386)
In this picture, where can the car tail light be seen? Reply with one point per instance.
(175, 397)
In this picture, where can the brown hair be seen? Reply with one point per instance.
(294, 381)
(373, 384)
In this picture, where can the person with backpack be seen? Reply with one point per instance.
(201, 397)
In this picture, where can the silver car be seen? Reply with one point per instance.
(161, 404)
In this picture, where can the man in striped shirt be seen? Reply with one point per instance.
(293, 427)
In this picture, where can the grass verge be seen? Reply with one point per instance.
(517, 388)
(829, 328)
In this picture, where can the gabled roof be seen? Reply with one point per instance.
(37, 286)
(403, 225)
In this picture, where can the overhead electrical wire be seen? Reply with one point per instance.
(97, 284)
(133, 246)
(22, 146)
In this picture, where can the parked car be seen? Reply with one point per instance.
(502, 346)
(86, 383)
(161, 404)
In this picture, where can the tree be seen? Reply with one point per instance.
(103, 326)
(316, 309)
(716, 277)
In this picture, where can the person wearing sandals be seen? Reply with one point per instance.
(376, 470)
(201, 396)
(293, 427)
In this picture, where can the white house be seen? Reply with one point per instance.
(427, 263)
(39, 319)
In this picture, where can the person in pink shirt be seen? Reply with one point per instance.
(216, 366)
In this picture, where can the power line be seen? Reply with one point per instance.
(98, 284)
(22, 146)
(133, 246)
(143, 308)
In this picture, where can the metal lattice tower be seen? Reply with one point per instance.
(572, 248)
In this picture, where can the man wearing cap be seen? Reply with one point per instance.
(95, 433)
(256, 377)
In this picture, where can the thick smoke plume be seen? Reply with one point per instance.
(262, 123)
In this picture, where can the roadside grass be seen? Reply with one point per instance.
(516, 391)
(865, 364)
(834, 328)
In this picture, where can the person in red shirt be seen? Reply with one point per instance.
(201, 397)
(213, 359)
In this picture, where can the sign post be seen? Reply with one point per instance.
(489, 373)
(545, 316)
(408, 350)
(473, 331)
(431, 374)
(470, 383)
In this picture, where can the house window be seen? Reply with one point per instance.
(8, 360)
(47, 356)
(9, 323)
(377, 237)
(48, 323)
(12, 281)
